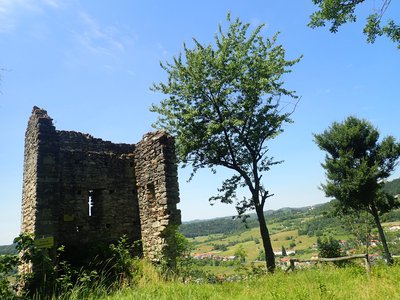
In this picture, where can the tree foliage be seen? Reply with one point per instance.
(339, 12)
(328, 247)
(356, 166)
(241, 253)
(224, 104)
(8, 264)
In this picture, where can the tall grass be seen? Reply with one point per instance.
(325, 282)
(320, 283)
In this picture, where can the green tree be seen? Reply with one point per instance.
(328, 247)
(284, 251)
(339, 12)
(241, 253)
(359, 224)
(356, 166)
(223, 105)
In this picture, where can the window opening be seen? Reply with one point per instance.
(151, 192)
(90, 202)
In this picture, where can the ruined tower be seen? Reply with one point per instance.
(81, 191)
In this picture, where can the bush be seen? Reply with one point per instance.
(328, 247)
(51, 277)
(124, 264)
(7, 264)
(220, 247)
(43, 276)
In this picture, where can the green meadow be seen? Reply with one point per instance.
(320, 283)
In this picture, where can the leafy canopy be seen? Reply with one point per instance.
(328, 247)
(224, 103)
(357, 164)
(339, 12)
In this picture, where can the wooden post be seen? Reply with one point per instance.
(292, 261)
(291, 266)
(334, 259)
(367, 264)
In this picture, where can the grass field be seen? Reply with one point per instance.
(323, 283)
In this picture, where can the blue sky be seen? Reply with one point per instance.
(90, 65)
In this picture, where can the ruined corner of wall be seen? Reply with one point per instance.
(156, 173)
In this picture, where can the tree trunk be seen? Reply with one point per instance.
(375, 214)
(269, 252)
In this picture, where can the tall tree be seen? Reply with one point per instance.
(356, 166)
(284, 253)
(223, 105)
(339, 12)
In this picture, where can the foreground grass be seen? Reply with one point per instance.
(321, 283)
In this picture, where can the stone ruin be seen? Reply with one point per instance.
(81, 191)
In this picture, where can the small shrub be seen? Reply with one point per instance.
(220, 247)
(124, 264)
(43, 276)
(328, 247)
(7, 264)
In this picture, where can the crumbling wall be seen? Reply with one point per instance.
(40, 196)
(83, 191)
(156, 173)
(99, 199)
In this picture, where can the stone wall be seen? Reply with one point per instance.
(99, 199)
(41, 181)
(158, 191)
(84, 191)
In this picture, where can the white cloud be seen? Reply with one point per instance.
(53, 3)
(12, 11)
(101, 40)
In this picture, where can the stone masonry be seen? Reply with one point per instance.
(84, 191)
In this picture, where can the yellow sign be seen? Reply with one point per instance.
(68, 218)
(47, 242)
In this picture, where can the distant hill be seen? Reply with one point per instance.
(393, 187)
(310, 220)
(8, 249)
(287, 217)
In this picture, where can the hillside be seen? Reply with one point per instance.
(310, 220)
(393, 187)
(288, 218)
(295, 229)
(8, 249)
